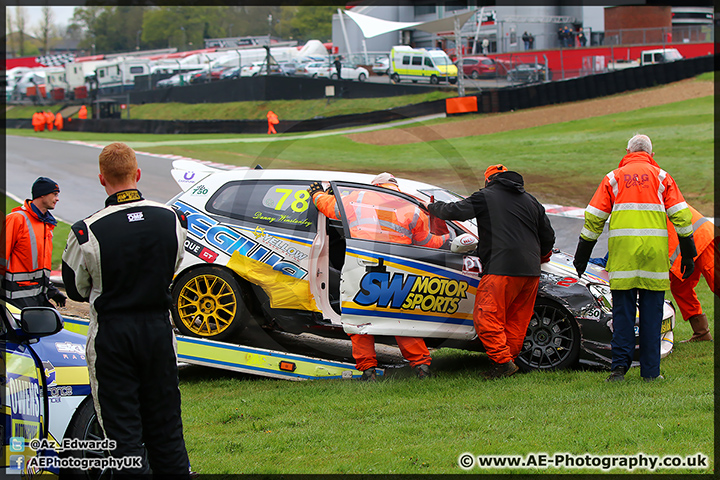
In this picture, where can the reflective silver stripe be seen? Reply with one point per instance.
(695, 226)
(33, 240)
(676, 208)
(31, 292)
(661, 187)
(589, 234)
(397, 228)
(597, 212)
(413, 222)
(684, 231)
(613, 183)
(639, 274)
(638, 232)
(26, 276)
(640, 207)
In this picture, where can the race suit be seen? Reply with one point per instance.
(514, 236)
(122, 260)
(28, 257)
(683, 291)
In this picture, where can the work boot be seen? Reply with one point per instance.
(617, 375)
(369, 375)
(701, 330)
(501, 370)
(422, 371)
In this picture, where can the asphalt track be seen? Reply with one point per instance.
(74, 166)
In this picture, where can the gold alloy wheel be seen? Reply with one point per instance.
(207, 305)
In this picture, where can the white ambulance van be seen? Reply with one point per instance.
(433, 65)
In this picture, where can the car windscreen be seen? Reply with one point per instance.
(266, 203)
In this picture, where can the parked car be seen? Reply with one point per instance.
(477, 67)
(258, 252)
(288, 68)
(349, 72)
(175, 80)
(529, 73)
(260, 68)
(47, 391)
(381, 66)
(232, 72)
(314, 70)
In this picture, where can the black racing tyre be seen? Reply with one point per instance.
(434, 79)
(333, 76)
(361, 77)
(452, 80)
(474, 75)
(553, 339)
(208, 303)
(395, 78)
(85, 426)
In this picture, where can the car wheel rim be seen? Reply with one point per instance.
(94, 432)
(207, 305)
(549, 339)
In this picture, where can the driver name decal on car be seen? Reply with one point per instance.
(410, 292)
(228, 240)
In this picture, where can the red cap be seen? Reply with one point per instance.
(493, 169)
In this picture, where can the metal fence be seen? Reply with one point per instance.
(645, 36)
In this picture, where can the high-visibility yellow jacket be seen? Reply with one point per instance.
(640, 195)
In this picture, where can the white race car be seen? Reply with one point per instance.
(258, 251)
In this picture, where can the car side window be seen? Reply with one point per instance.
(406, 60)
(279, 204)
(417, 60)
(428, 62)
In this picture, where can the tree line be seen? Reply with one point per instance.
(122, 28)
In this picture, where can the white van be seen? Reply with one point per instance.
(433, 65)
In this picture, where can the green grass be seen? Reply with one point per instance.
(234, 424)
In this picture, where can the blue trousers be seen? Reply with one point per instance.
(650, 304)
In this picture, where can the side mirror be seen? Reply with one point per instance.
(40, 321)
(463, 243)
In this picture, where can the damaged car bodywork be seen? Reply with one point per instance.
(258, 251)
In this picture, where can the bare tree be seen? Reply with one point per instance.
(10, 38)
(46, 29)
(20, 24)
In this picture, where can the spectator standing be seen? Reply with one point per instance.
(531, 40)
(485, 46)
(28, 249)
(122, 260)
(515, 237)
(338, 67)
(526, 40)
(581, 37)
(83, 113)
(640, 196)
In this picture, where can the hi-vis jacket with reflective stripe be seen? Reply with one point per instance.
(385, 218)
(704, 232)
(28, 258)
(640, 195)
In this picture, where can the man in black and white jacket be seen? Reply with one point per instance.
(122, 260)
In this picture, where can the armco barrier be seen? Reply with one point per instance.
(488, 101)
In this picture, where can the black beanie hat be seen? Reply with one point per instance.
(43, 186)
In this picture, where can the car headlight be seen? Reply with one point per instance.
(602, 295)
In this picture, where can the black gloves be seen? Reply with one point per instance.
(329, 191)
(687, 253)
(582, 255)
(59, 299)
(315, 187)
